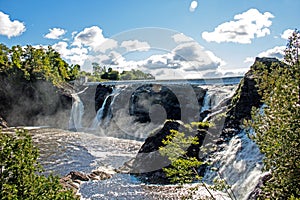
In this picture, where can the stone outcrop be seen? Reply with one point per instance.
(174, 101)
(74, 179)
(148, 163)
(245, 97)
(34, 103)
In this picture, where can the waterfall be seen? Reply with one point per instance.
(239, 163)
(206, 102)
(100, 113)
(75, 121)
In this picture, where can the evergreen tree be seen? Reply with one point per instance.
(277, 124)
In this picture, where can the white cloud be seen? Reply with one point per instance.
(187, 60)
(276, 52)
(286, 34)
(193, 6)
(10, 28)
(55, 33)
(74, 55)
(92, 37)
(181, 38)
(135, 45)
(242, 29)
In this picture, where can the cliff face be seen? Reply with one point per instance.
(37, 103)
(235, 111)
(245, 97)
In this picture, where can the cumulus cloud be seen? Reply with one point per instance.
(93, 38)
(181, 38)
(244, 28)
(186, 60)
(276, 52)
(135, 45)
(75, 55)
(287, 33)
(193, 6)
(55, 33)
(10, 28)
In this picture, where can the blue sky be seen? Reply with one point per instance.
(168, 38)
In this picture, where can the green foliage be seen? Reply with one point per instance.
(135, 75)
(19, 170)
(36, 64)
(183, 168)
(277, 127)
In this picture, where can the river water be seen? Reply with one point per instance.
(108, 142)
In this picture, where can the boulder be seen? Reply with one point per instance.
(148, 163)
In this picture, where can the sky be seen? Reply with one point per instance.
(167, 38)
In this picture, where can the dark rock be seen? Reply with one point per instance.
(148, 95)
(156, 103)
(102, 91)
(148, 164)
(245, 97)
(34, 103)
(78, 176)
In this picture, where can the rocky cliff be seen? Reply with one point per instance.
(34, 103)
(230, 112)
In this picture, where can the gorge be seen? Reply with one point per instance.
(118, 129)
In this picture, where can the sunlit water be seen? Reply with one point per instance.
(63, 151)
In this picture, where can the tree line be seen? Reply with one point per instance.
(33, 64)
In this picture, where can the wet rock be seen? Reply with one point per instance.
(102, 91)
(148, 163)
(34, 103)
(78, 176)
(74, 179)
(156, 103)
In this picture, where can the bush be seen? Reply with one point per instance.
(19, 172)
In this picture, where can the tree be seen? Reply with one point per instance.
(277, 125)
(19, 170)
(34, 64)
(183, 168)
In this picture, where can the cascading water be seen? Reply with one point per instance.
(99, 116)
(239, 163)
(75, 121)
(206, 102)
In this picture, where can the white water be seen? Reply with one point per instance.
(75, 121)
(240, 164)
(99, 116)
(206, 102)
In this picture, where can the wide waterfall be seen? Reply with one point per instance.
(136, 111)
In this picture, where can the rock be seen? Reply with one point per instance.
(245, 97)
(78, 176)
(102, 91)
(148, 163)
(156, 103)
(74, 179)
(34, 103)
